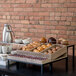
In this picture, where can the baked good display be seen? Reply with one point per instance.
(30, 46)
(52, 40)
(43, 40)
(42, 47)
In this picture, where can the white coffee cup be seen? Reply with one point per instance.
(9, 48)
(4, 49)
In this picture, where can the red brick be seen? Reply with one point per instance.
(24, 21)
(73, 0)
(54, 23)
(67, 23)
(41, 30)
(72, 37)
(18, 25)
(61, 23)
(8, 17)
(50, 1)
(69, 18)
(21, 17)
(17, 30)
(35, 38)
(24, 30)
(16, 21)
(62, 1)
(57, 18)
(20, 1)
(63, 32)
(2, 17)
(33, 22)
(63, 18)
(67, 14)
(2, 1)
(47, 22)
(29, 34)
(23, 9)
(5, 5)
(6, 9)
(15, 1)
(74, 18)
(62, 36)
(54, 31)
(73, 23)
(14, 17)
(61, 28)
(30, 1)
(54, 1)
(52, 18)
(49, 27)
(33, 30)
(38, 18)
(61, 9)
(68, 0)
(44, 13)
(46, 5)
(72, 28)
(37, 26)
(19, 34)
(52, 14)
(47, 31)
(70, 32)
(39, 35)
(58, 13)
(51, 35)
(25, 5)
(70, 4)
(72, 9)
(44, 9)
(57, 5)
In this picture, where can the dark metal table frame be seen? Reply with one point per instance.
(51, 63)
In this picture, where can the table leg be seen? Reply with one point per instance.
(17, 65)
(42, 67)
(51, 67)
(67, 64)
(73, 65)
(8, 64)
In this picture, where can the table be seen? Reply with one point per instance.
(51, 63)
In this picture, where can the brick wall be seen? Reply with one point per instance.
(37, 18)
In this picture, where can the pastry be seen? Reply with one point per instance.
(52, 40)
(43, 40)
(48, 45)
(44, 46)
(64, 42)
(60, 40)
(40, 48)
(35, 50)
